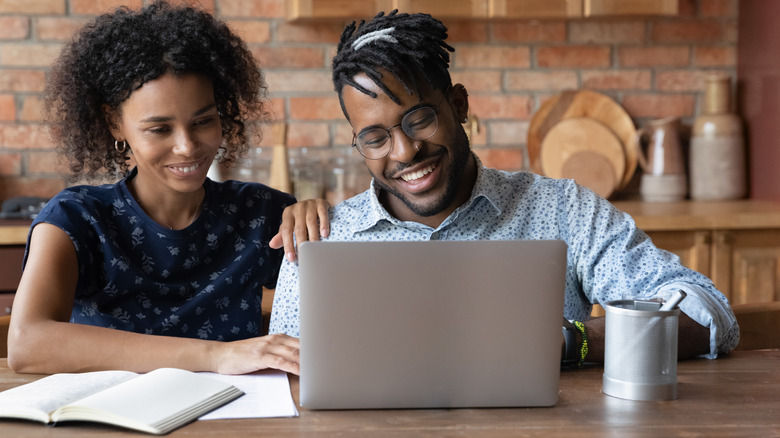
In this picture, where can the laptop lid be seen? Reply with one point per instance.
(439, 324)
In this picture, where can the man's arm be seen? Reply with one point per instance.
(693, 339)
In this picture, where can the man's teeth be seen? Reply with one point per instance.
(187, 169)
(419, 174)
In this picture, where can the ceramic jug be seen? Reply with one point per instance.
(661, 158)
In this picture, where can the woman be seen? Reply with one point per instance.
(165, 267)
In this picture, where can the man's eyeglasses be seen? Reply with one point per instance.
(418, 124)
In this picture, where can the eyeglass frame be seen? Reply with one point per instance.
(412, 110)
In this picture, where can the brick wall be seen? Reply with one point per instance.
(653, 66)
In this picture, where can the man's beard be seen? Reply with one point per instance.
(454, 174)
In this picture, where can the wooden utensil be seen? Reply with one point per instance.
(280, 167)
(584, 148)
(583, 103)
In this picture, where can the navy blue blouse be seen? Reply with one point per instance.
(200, 282)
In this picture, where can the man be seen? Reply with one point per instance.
(391, 75)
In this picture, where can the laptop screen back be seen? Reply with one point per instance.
(439, 324)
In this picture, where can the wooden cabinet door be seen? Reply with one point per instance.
(746, 265)
(443, 9)
(332, 9)
(597, 8)
(693, 247)
(535, 8)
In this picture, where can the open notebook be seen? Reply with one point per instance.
(430, 324)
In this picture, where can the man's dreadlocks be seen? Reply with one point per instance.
(410, 47)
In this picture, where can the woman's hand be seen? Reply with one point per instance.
(306, 220)
(279, 351)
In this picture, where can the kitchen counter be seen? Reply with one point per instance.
(703, 215)
(14, 231)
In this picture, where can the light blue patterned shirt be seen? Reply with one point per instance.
(609, 258)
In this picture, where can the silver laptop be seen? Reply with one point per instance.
(430, 324)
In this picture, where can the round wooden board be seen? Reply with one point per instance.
(583, 103)
(592, 170)
(572, 136)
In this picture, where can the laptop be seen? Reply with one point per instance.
(438, 324)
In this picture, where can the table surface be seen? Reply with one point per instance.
(736, 395)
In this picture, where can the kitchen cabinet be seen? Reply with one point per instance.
(479, 9)
(603, 8)
(13, 237)
(735, 243)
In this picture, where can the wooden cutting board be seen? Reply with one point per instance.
(583, 103)
(587, 151)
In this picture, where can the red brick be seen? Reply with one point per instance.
(480, 137)
(22, 80)
(573, 56)
(585, 32)
(313, 32)
(28, 55)
(7, 107)
(541, 80)
(95, 7)
(14, 28)
(206, 5)
(252, 31)
(290, 57)
(32, 6)
(477, 80)
(509, 133)
(315, 108)
(493, 57)
(343, 133)
(28, 136)
(10, 164)
(32, 109)
(502, 159)
(718, 8)
(617, 79)
(730, 32)
(304, 134)
(686, 8)
(715, 57)
(58, 29)
(529, 31)
(46, 162)
(681, 80)
(28, 186)
(654, 56)
(657, 105)
(466, 31)
(275, 108)
(299, 81)
(500, 107)
(687, 31)
(252, 8)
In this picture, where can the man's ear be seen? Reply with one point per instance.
(112, 120)
(459, 99)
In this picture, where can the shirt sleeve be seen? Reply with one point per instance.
(615, 260)
(285, 311)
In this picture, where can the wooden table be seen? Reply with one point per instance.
(736, 395)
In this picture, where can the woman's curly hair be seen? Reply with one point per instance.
(119, 52)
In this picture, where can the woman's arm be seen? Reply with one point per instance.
(42, 340)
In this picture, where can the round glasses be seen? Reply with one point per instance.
(418, 124)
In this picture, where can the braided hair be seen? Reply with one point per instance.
(409, 46)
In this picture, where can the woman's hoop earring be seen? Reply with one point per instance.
(121, 149)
